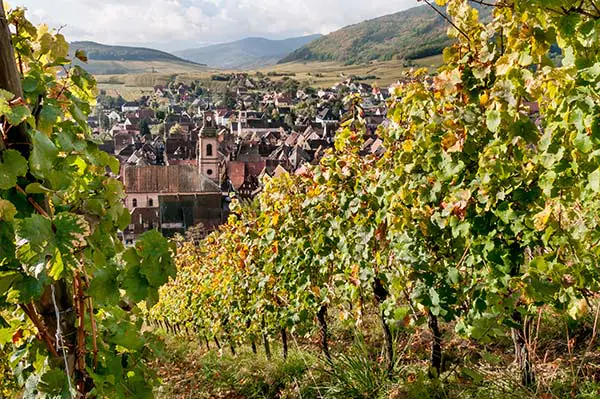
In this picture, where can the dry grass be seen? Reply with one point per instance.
(129, 93)
(329, 73)
(141, 67)
(318, 74)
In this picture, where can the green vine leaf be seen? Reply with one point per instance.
(493, 119)
(43, 155)
(7, 211)
(35, 243)
(18, 115)
(12, 166)
(594, 180)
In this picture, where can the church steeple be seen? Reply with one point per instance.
(208, 144)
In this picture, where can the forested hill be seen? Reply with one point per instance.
(101, 52)
(251, 52)
(414, 33)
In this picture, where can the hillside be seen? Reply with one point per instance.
(249, 53)
(411, 34)
(106, 59)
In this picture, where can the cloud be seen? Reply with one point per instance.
(202, 21)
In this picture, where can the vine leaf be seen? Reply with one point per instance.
(35, 243)
(148, 266)
(155, 261)
(49, 115)
(7, 210)
(71, 232)
(43, 154)
(493, 119)
(18, 115)
(37, 188)
(81, 55)
(103, 286)
(12, 166)
(54, 382)
(594, 180)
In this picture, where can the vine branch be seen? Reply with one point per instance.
(35, 205)
(462, 32)
(45, 335)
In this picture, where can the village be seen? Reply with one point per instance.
(185, 152)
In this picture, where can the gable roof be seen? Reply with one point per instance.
(279, 170)
(172, 179)
(298, 157)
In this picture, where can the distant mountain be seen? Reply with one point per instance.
(411, 34)
(249, 53)
(106, 59)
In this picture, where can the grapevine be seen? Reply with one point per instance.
(68, 287)
(482, 211)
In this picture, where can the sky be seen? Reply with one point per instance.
(173, 25)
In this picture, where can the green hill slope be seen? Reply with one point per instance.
(106, 59)
(414, 33)
(249, 53)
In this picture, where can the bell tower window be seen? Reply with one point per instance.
(209, 150)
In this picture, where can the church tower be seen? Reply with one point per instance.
(208, 144)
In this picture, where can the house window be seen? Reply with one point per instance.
(134, 202)
(150, 202)
(209, 150)
(209, 172)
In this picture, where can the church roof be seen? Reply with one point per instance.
(172, 179)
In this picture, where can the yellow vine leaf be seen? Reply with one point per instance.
(540, 220)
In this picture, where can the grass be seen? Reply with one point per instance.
(470, 370)
(188, 371)
(357, 370)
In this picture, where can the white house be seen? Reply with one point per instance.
(130, 107)
(114, 117)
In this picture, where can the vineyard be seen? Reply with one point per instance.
(480, 218)
(477, 228)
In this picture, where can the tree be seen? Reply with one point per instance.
(144, 128)
(229, 100)
(275, 115)
(290, 120)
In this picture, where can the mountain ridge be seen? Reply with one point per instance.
(246, 53)
(107, 52)
(105, 59)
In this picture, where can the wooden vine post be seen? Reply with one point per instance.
(9, 77)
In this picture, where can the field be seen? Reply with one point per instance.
(140, 67)
(319, 74)
(329, 73)
(129, 93)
